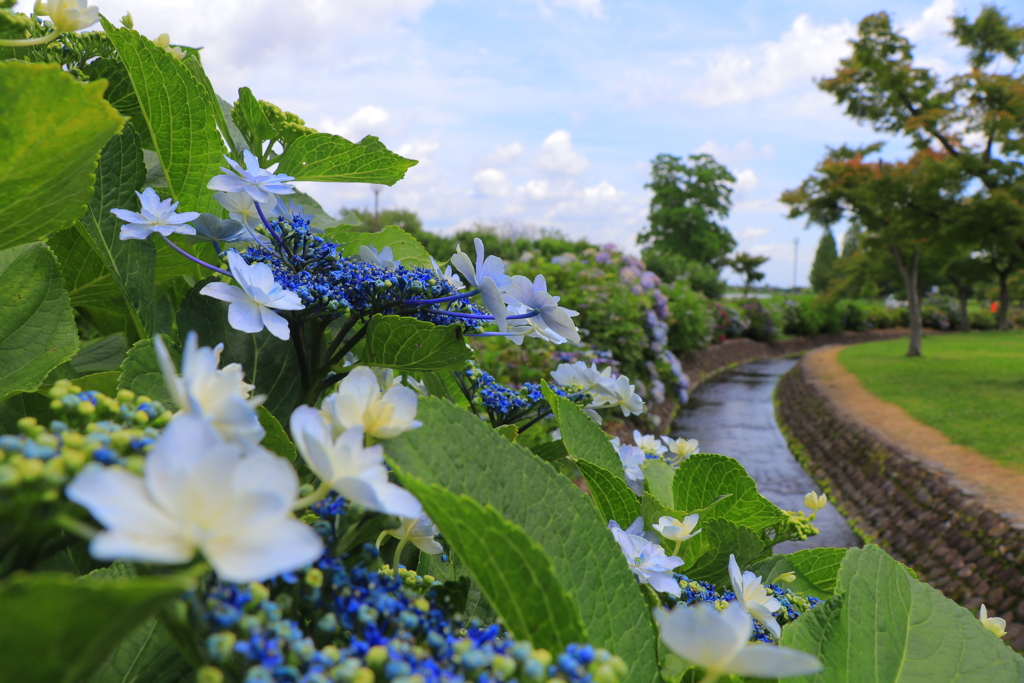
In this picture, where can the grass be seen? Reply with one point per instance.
(968, 386)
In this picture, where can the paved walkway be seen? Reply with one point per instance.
(732, 414)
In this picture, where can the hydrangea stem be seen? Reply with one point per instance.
(318, 495)
(75, 526)
(442, 300)
(477, 316)
(273, 233)
(398, 552)
(194, 259)
(29, 42)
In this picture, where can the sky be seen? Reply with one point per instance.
(547, 113)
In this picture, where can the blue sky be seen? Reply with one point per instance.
(546, 113)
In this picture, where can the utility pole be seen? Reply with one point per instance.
(376, 207)
(796, 245)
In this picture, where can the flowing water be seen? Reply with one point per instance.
(732, 414)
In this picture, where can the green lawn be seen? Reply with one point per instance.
(969, 386)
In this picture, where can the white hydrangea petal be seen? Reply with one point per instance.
(224, 292)
(146, 546)
(312, 436)
(764, 615)
(245, 316)
(267, 485)
(117, 498)
(275, 324)
(703, 635)
(264, 551)
(769, 661)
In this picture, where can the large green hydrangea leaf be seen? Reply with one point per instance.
(179, 114)
(37, 325)
(52, 128)
(703, 478)
(558, 516)
(885, 626)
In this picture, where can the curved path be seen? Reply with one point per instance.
(733, 414)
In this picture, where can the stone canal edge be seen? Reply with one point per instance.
(944, 510)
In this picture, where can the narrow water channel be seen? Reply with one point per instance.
(732, 414)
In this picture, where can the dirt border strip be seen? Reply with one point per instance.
(1001, 487)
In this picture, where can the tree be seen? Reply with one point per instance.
(746, 265)
(903, 208)
(965, 272)
(976, 117)
(689, 200)
(824, 262)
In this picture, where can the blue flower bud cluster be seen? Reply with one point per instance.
(504, 404)
(793, 604)
(344, 623)
(330, 284)
(85, 426)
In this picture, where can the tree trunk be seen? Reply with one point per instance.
(913, 297)
(963, 293)
(1004, 301)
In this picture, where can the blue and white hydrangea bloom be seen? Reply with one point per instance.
(646, 559)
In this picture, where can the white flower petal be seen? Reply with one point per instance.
(245, 316)
(264, 551)
(117, 497)
(770, 661)
(224, 292)
(276, 324)
(312, 436)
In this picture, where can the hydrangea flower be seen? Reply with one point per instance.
(648, 443)
(674, 530)
(355, 472)
(618, 393)
(753, 598)
(420, 531)
(579, 376)
(815, 501)
(487, 275)
(252, 303)
(69, 15)
(209, 228)
(359, 402)
(258, 183)
(631, 458)
(994, 624)
(241, 207)
(552, 322)
(154, 216)
(164, 41)
(385, 258)
(680, 449)
(719, 643)
(219, 395)
(647, 560)
(200, 493)
(448, 276)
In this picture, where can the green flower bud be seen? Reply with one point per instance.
(85, 408)
(209, 674)
(364, 675)
(504, 667)
(10, 476)
(377, 657)
(605, 673)
(220, 646)
(259, 593)
(314, 578)
(31, 469)
(29, 426)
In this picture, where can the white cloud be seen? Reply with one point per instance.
(737, 154)
(537, 190)
(602, 192)
(805, 51)
(503, 154)
(368, 120)
(558, 156)
(420, 150)
(754, 233)
(933, 22)
(746, 182)
(490, 182)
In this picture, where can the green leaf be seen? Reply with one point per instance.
(37, 326)
(707, 554)
(29, 404)
(886, 626)
(179, 114)
(147, 654)
(513, 572)
(101, 355)
(333, 159)
(131, 263)
(269, 362)
(475, 605)
(248, 115)
(703, 477)
(614, 498)
(658, 476)
(103, 382)
(404, 246)
(510, 432)
(276, 440)
(816, 569)
(141, 372)
(550, 452)
(583, 438)
(52, 127)
(57, 629)
(558, 516)
(87, 281)
(408, 344)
